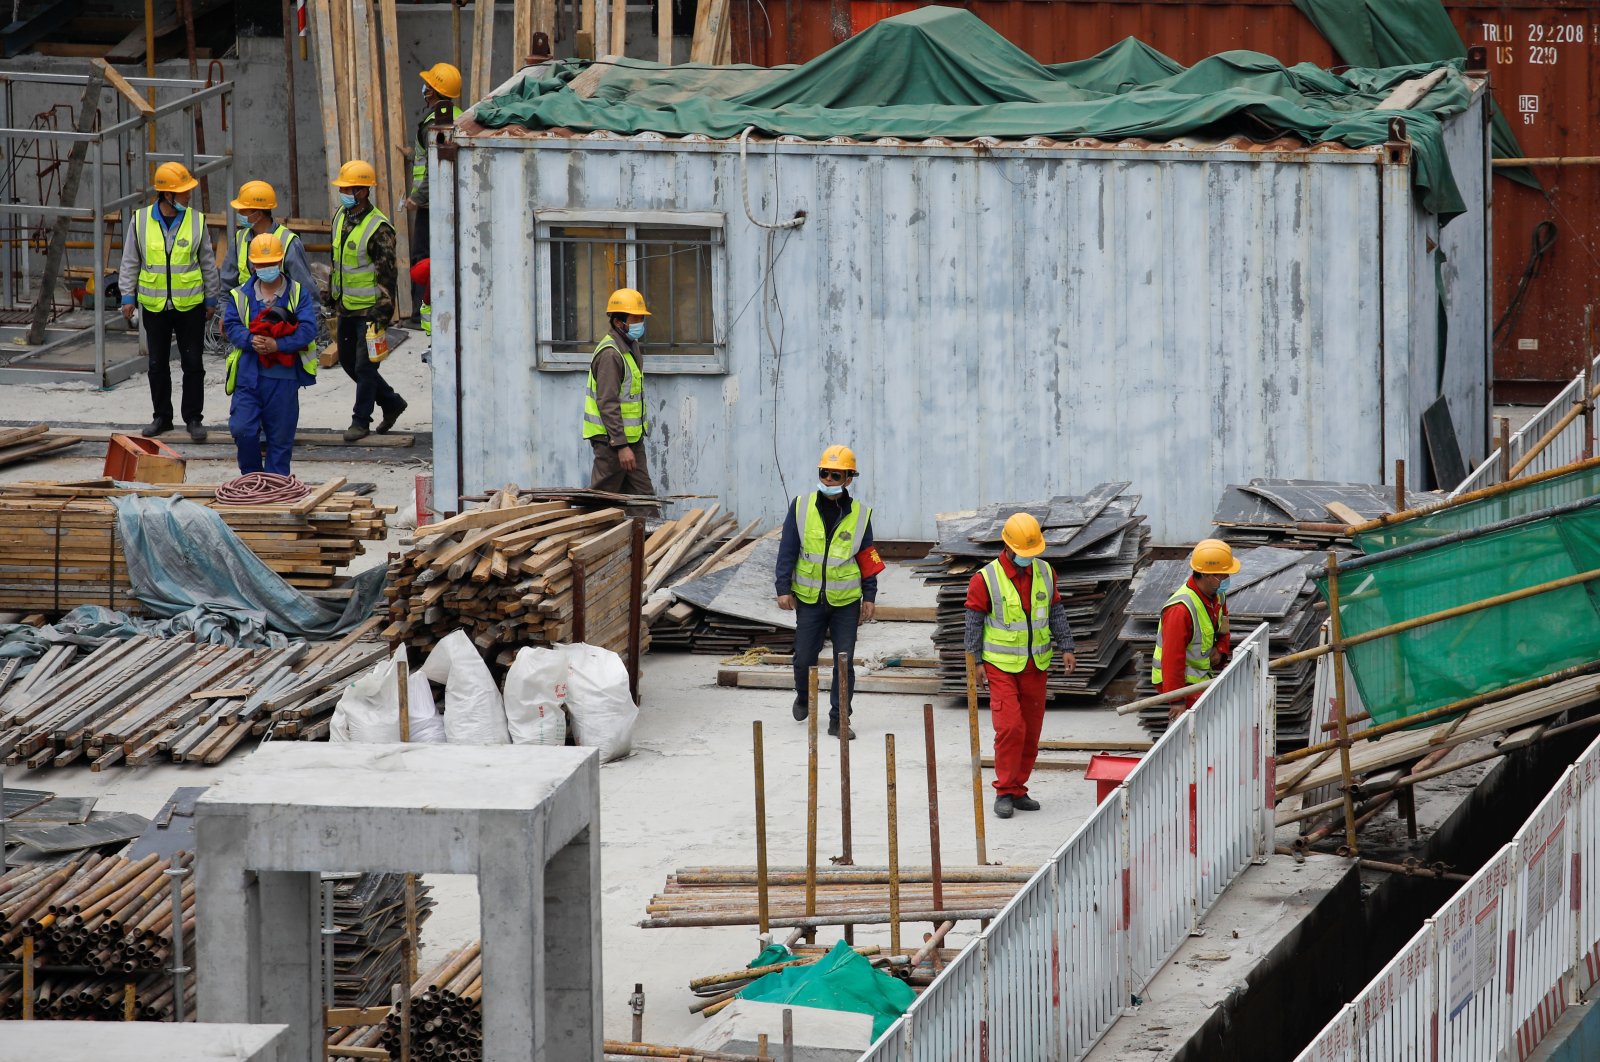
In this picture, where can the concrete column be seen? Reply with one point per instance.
(573, 1002)
(510, 890)
(227, 926)
(290, 957)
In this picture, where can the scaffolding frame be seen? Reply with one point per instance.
(124, 148)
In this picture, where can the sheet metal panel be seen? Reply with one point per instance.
(978, 323)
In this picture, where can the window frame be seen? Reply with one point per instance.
(549, 359)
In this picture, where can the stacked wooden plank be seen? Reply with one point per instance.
(1304, 513)
(26, 444)
(1094, 543)
(513, 573)
(59, 547)
(730, 607)
(146, 698)
(1273, 586)
(692, 548)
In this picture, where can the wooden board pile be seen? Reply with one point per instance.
(98, 924)
(1094, 542)
(446, 1014)
(61, 548)
(369, 912)
(1304, 513)
(512, 573)
(1273, 586)
(694, 553)
(37, 440)
(146, 699)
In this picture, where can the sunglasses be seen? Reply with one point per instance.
(830, 475)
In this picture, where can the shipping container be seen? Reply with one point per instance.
(981, 321)
(1544, 73)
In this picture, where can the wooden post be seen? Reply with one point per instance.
(521, 31)
(291, 133)
(1588, 382)
(1399, 484)
(482, 48)
(842, 672)
(88, 109)
(811, 798)
(635, 604)
(27, 978)
(761, 829)
(936, 872)
(319, 22)
(399, 153)
(129, 1001)
(618, 45)
(977, 758)
(403, 678)
(664, 30)
(1336, 636)
(344, 82)
(891, 801)
(1505, 448)
(149, 72)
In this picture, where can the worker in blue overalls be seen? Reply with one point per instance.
(271, 322)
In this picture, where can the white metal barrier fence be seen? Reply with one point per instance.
(1490, 973)
(1067, 955)
(1564, 449)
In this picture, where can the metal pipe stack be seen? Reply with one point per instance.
(446, 1014)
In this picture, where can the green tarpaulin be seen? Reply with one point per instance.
(1387, 32)
(840, 980)
(940, 71)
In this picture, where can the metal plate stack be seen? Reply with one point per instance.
(1304, 513)
(729, 610)
(1273, 586)
(369, 911)
(1094, 542)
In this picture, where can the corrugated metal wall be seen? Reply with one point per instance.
(1543, 61)
(978, 324)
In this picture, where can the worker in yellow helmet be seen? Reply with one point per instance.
(361, 291)
(271, 322)
(1193, 642)
(169, 271)
(441, 89)
(255, 203)
(1016, 624)
(614, 418)
(827, 575)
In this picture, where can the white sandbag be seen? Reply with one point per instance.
(472, 711)
(369, 709)
(535, 696)
(599, 702)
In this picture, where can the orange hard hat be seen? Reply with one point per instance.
(1212, 556)
(174, 177)
(838, 458)
(266, 249)
(1023, 535)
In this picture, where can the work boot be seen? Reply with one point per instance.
(158, 427)
(1024, 803)
(833, 730)
(801, 708)
(356, 432)
(197, 431)
(389, 417)
(1004, 805)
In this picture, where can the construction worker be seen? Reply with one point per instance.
(827, 537)
(255, 203)
(361, 289)
(422, 284)
(271, 321)
(441, 87)
(1194, 625)
(1015, 625)
(614, 417)
(169, 270)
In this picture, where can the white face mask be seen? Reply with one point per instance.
(832, 490)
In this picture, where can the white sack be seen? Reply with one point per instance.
(599, 702)
(472, 711)
(369, 709)
(535, 693)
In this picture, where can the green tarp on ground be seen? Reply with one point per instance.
(1387, 32)
(940, 71)
(1441, 663)
(840, 980)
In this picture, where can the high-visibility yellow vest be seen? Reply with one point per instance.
(176, 279)
(827, 564)
(241, 302)
(242, 239)
(354, 281)
(427, 318)
(634, 422)
(419, 159)
(1011, 632)
(1203, 636)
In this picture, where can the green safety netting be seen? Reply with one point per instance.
(1387, 32)
(940, 71)
(1429, 667)
(840, 980)
(1518, 501)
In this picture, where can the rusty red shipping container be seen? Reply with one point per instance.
(1544, 70)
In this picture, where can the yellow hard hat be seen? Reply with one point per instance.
(255, 195)
(443, 79)
(1023, 535)
(266, 249)
(357, 173)
(173, 177)
(626, 300)
(839, 458)
(1212, 556)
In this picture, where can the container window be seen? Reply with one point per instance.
(675, 267)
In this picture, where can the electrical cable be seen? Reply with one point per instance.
(744, 186)
(262, 488)
(1545, 235)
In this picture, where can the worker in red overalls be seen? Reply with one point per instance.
(1194, 625)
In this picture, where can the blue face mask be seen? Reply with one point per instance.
(1222, 587)
(832, 490)
(244, 222)
(347, 200)
(270, 274)
(636, 331)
